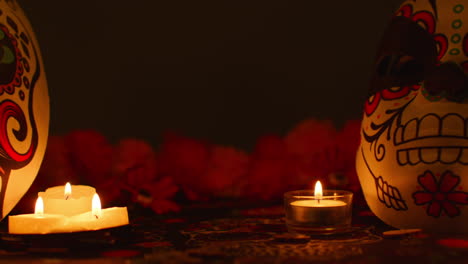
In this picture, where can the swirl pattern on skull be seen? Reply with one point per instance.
(24, 106)
(415, 119)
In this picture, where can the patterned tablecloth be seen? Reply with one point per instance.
(232, 236)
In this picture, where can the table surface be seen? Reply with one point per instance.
(230, 234)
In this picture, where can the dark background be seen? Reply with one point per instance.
(225, 71)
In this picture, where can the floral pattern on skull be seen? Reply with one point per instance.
(415, 122)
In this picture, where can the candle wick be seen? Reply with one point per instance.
(66, 197)
(318, 201)
(97, 217)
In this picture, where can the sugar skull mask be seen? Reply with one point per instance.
(413, 158)
(24, 106)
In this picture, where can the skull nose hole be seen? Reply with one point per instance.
(447, 80)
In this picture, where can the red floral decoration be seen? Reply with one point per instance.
(135, 163)
(226, 168)
(203, 171)
(270, 170)
(131, 171)
(440, 195)
(311, 144)
(346, 147)
(90, 155)
(184, 160)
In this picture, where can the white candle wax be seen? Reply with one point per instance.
(34, 224)
(320, 212)
(109, 217)
(56, 202)
(94, 218)
(46, 224)
(318, 203)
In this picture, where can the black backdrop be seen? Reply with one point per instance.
(225, 71)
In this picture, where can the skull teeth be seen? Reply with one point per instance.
(440, 139)
(430, 155)
(431, 125)
(389, 195)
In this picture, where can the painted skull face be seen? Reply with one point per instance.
(412, 162)
(24, 106)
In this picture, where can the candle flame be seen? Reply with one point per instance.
(318, 191)
(96, 207)
(39, 210)
(67, 192)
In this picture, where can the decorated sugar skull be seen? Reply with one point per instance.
(24, 106)
(413, 158)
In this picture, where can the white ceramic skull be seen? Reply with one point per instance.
(413, 158)
(24, 106)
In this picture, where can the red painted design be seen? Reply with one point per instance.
(442, 45)
(425, 18)
(9, 109)
(405, 11)
(388, 94)
(440, 195)
(371, 105)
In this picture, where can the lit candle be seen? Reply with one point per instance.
(75, 208)
(68, 191)
(68, 200)
(99, 218)
(37, 223)
(96, 208)
(307, 211)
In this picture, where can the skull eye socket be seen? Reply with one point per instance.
(407, 54)
(400, 69)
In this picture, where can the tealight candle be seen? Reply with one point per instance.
(99, 218)
(94, 218)
(68, 200)
(318, 211)
(37, 223)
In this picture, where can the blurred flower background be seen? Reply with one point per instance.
(185, 170)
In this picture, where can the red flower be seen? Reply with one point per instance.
(135, 161)
(90, 155)
(203, 171)
(440, 195)
(185, 160)
(308, 144)
(156, 195)
(270, 169)
(222, 178)
(344, 161)
(270, 146)
(91, 158)
(56, 168)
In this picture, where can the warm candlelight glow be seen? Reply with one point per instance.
(54, 214)
(67, 192)
(39, 210)
(318, 191)
(96, 206)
